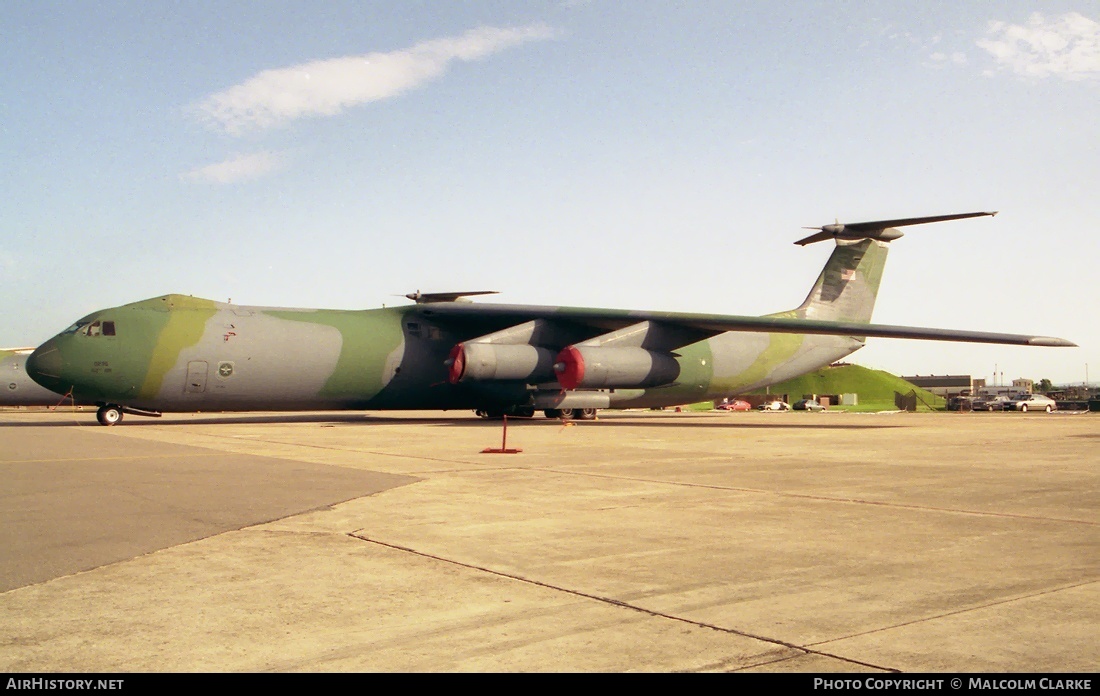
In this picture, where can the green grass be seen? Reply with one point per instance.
(701, 406)
(874, 387)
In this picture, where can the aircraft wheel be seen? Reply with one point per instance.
(584, 413)
(109, 415)
(553, 413)
(1023, 408)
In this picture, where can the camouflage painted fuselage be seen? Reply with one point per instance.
(177, 353)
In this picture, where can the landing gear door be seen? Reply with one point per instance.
(196, 377)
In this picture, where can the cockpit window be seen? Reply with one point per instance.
(95, 328)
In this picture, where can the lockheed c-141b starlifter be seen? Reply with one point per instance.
(184, 354)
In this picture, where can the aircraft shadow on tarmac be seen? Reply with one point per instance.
(87, 418)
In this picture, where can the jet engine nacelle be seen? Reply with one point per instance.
(491, 361)
(598, 367)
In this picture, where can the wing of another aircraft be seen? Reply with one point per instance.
(17, 387)
(704, 325)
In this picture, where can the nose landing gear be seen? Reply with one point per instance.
(109, 414)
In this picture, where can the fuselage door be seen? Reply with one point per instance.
(196, 377)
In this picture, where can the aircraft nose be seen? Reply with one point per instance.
(44, 365)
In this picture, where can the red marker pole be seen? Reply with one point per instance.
(503, 443)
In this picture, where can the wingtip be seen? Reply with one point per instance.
(1051, 342)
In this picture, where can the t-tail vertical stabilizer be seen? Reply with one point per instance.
(848, 285)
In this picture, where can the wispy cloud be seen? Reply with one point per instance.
(236, 168)
(327, 87)
(1066, 47)
(940, 59)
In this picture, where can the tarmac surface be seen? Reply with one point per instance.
(644, 541)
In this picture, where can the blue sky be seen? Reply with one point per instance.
(648, 155)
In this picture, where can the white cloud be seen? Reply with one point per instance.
(236, 168)
(940, 59)
(327, 87)
(1067, 47)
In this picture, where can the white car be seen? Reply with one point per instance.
(1031, 402)
(775, 406)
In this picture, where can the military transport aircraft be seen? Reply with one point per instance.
(18, 389)
(185, 354)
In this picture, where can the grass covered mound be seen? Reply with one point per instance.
(874, 387)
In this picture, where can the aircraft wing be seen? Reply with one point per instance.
(481, 317)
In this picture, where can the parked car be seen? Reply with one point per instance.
(990, 403)
(775, 406)
(735, 405)
(960, 403)
(807, 405)
(1031, 402)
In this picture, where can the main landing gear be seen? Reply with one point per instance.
(525, 412)
(571, 413)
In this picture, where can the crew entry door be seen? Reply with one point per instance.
(196, 377)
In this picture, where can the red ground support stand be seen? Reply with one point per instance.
(503, 449)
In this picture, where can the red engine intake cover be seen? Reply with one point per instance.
(572, 371)
(457, 358)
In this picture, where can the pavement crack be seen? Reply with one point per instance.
(827, 498)
(958, 612)
(620, 604)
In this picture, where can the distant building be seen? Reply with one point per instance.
(944, 385)
(1019, 386)
(999, 390)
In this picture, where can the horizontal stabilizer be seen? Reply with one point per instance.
(432, 297)
(882, 230)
